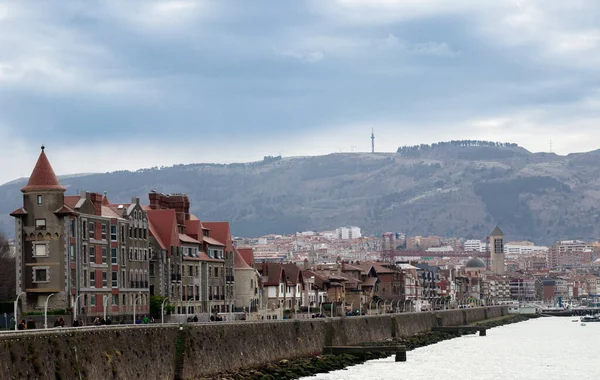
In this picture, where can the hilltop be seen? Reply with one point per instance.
(448, 189)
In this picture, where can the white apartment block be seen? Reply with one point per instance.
(346, 233)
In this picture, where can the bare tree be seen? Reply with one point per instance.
(7, 271)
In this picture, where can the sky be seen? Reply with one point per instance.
(109, 85)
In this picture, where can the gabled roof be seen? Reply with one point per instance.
(247, 254)
(293, 274)
(65, 210)
(497, 232)
(164, 224)
(71, 200)
(273, 273)
(221, 232)
(43, 178)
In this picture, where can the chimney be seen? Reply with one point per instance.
(305, 264)
(96, 200)
(343, 265)
(153, 196)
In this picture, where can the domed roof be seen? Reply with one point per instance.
(475, 262)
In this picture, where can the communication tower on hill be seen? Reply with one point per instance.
(372, 141)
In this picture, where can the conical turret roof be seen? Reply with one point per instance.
(43, 178)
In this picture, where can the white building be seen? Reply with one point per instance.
(345, 233)
(512, 249)
(475, 246)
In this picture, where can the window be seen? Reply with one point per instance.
(115, 300)
(151, 269)
(72, 252)
(85, 253)
(216, 272)
(93, 300)
(39, 200)
(72, 227)
(113, 232)
(40, 250)
(92, 255)
(123, 256)
(114, 259)
(92, 230)
(92, 279)
(104, 258)
(40, 224)
(104, 279)
(145, 234)
(191, 271)
(40, 275)
(122, 233)
(85, 279)
(115, 279)
(103, 230)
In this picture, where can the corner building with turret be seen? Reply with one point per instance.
(80, 251)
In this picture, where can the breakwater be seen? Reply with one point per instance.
(202, 350)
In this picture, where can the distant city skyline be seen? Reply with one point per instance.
(107, 85)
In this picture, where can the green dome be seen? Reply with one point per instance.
(475, 262)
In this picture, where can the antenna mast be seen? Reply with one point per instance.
(372, 141)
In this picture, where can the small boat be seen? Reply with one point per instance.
(590, 318)
(575, 320)
(582, 323)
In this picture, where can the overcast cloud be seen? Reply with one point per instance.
(109, 85)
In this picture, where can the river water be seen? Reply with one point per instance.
(544, 348)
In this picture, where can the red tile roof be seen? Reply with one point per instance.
(212, 241)
(188, 239)
(272, 273)
(19, 212)
(247, 254)
(105, 201)
(43, 177)
(71, 200)
(164, 223)
(65, 210)
(221, 232)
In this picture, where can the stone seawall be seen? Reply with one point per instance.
(152, 351)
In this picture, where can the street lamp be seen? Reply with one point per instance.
(134, 306)
(162, 311)
(105, 305)
(15, 313)
(187, 308)
(75, 307)
(46, 311)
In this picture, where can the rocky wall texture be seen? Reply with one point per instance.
(166, 352)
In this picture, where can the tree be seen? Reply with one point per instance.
(7, 271)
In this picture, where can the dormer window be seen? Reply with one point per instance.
(39, 200)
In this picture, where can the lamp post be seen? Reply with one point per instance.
(105, 305)
(46, 311)
(187, 308)
(15, 313)
(162, 311)
(134, 306)
(75, 307)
